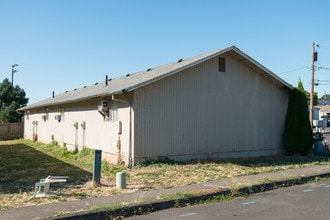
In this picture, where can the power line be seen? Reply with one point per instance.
(304, 67)
(300, 68)
(321, 80)
(323, 68)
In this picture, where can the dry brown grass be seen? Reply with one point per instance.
(19, 162)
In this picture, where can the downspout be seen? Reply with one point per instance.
(130, 162)
(76, 137)
(33, 134)
(83, 125)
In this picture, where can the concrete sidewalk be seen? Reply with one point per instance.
(264, 181)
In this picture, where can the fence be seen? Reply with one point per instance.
(10, 131)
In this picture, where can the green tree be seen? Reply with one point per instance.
(300, 87)
(298, 134)
(326, 96)
(11, 98)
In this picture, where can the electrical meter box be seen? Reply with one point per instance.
(118, 127)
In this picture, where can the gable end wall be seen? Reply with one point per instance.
(201, 112)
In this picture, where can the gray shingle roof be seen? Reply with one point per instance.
(136, 80)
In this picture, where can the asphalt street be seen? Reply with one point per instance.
(309, 201)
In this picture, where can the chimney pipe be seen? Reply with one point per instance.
(53, 94)
(106, 80)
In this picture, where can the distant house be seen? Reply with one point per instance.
(215, 105)
(322, 109)
(323, 102)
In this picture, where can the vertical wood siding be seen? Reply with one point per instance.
(201, 112)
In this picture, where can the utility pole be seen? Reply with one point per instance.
(13, 70)
(311, 94)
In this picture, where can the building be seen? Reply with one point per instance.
(215, 105)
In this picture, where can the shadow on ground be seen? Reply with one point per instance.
(21, 166)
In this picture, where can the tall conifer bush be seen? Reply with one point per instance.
(298, 134)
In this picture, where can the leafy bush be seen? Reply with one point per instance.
(298, 134)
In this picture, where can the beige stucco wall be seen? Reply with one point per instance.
(98, 134)
(202, 113)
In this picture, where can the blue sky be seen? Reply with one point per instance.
(61, 45)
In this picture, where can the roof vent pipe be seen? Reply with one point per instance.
(53, 94)
(106, 80)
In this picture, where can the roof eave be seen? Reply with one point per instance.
(263, 68)
(222, 51)
(191, 63)
(67, 101)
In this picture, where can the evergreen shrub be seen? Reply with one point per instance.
(298, 133)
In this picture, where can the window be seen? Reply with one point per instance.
(222, 64)
(113, 111)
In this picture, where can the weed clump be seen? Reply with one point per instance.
(159, 160)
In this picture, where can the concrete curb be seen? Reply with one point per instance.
(148, 207)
